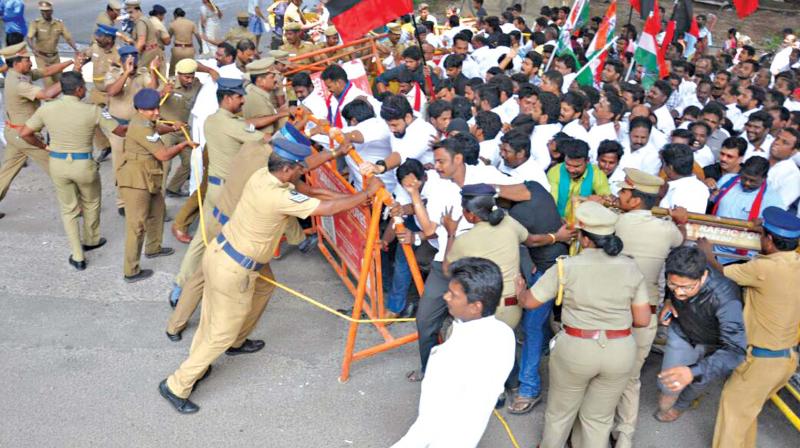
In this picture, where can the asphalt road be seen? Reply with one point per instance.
(82, 353)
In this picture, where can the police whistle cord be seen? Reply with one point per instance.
(319, 305)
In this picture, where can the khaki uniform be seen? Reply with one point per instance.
(182, 31)
(140, 178)
(178, 107)
(20, 104)
(771, 318)
(71, 125)
(302, 48)
(258, 103)
(648, 240)
(102, 60)
(225, 134)
(160, 32)
(234, 297)
(44, 35)
(121, 109)
(144, 26)
(339, 55)
(499, 244)
(102, 19)
(237, 34)
(588, 376)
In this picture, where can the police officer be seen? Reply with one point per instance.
(237, 33)
(771, 319)
(181, 94)
(258, 107)
(123, 81)
(71, 125)
(592, 358)
(144, 34)
(182, 31)
(109, 18)
(295, 45)
(648, 240)
(43, 36)
(332, 40)
(140, 183)
(103, 55)
(21, 100)
(235, 295)
(225, 133)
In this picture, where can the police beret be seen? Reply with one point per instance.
(133, 3)
(279, 54)
(292, 26)
(146, 99)
(260, 66)
(11, 51)
(423, 6)
(639, 180)
(158, 10)
(45, 6)
(781, 223)
(394, 28)
(331, 31)
(290, 150)
(242, 15)
(594, 218)
(115, 4)
(105, 30)
(186, 66)
(230, 85)
(478, 190)
(291, 133)
(127, 49)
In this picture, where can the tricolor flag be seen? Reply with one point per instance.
(355, 18)
(691, 37)
(578, 16)
(646, 53)
(604, 35)
(745, 7)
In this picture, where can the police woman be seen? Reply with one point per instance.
(592, 357)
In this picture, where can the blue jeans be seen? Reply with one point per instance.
(537, 335)
(401, 277)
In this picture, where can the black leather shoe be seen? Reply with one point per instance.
(103, 155)
(162, 253)
(121, 211)
(182, 405)
(248, 347)
(2, 215)
(143, 274)
(177, 194)
(102, 242)
(174, 337)
(79, 265)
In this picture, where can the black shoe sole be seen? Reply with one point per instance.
(102, 242)
(165, 252)
(174, 337)
(79, 265)
(138, 277)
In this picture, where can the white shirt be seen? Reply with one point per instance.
(415, 143)
(529, 171)
(687, 192)
(411, 96)
(316, 104)
(507, 28)
(576, 130)
(645, 158)
(469, 67)
(784, 178)
(206, 103)
(465, 375)
(490, 150)
(666, 123)
(764, 152)
(508, 110)
(352, 94)
(733, 113)
(541, 135)
(704, 156)
(596, 136)
(377, 146)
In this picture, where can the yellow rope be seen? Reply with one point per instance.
(507, 428)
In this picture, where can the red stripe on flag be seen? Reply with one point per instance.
(663, 70)
(745, 7)
(636, 5)
(694, 29)
(367, 15)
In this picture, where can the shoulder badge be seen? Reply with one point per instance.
(153, 138)
(106, 115)
(295, 196)
(250, 127)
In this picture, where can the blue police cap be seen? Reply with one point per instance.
(105, 30)
(289, 150)
(230, 85)
(781, 223)
(291, 133)
(126, 50)
(478, 190)
(146, 99)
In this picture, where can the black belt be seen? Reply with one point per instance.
(240, 259)
(221, 217)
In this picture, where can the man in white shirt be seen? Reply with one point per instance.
(515, 151)
(685, 190)
(545, 113)
(759, 140)
(469, 67)
(312, 100)
(607, 114)
(572, 109)
(371, 139)
(657, 97)
(206, 103)
(749, 102)
(467, 372)
(342, 91)
(784, 175)
(486, 129)
(640, 153)
(702, 153)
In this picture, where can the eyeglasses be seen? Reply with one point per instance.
(683, 288)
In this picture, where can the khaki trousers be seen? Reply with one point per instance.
(194, 253)
(744, 394)
(77, 185)
(587, 378)
(100, 99)
(17, 152)
(628, 408)
(144, 218)
(43, 62)
(182, 172)
(117, 157)
(234, 299)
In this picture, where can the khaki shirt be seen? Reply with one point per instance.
(238, 34)
(178, 105)
(225, 133)
(70, 123)
(145, 27)
(264, 210)
(499, 244)
(104, 19)
(598, 290)
(45, 35)
(648, 240)
(296, 50)
(771, 298)
(251, 157)
(257, 104)
(141, 169)
(339, 55)
(121, 105)
(20, 96)
(159, 30)
(102, 61)
(182, 30)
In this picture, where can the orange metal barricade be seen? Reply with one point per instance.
(367, 44)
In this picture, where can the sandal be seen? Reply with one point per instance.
(415, 376)
(523, 405)
(668, 416)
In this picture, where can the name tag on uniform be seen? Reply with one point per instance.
(250, 128)
(298, 197)
(153, 138)
(106, 115)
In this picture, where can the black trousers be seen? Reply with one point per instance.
(431, 312)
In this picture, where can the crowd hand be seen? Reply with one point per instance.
(168, 89)
(396, 210)
(667, 309)
(412, 187)
(428, 166)
(405, 237)
(676, 378)
(368, 168)
(190, 144)
(426, 70)
(565, 234)
(128, 66)
(373, 185)
(680, 215)
(596, 198)
(520, 285)
(711, 183)
(154, 63)
(450, 224)
(384, 245)
(705, 246)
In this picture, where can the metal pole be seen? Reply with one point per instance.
(428, 80)
(630, 69)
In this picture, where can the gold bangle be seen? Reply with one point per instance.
(553, 237)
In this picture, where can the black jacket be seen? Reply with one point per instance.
(713, 318)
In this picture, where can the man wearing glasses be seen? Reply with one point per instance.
(706, 338)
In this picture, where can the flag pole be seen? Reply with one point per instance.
(630, 69)
(428, 80)
(596, 55)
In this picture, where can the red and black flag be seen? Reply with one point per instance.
(355, 18)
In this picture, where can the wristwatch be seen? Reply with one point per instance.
(382, 163)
